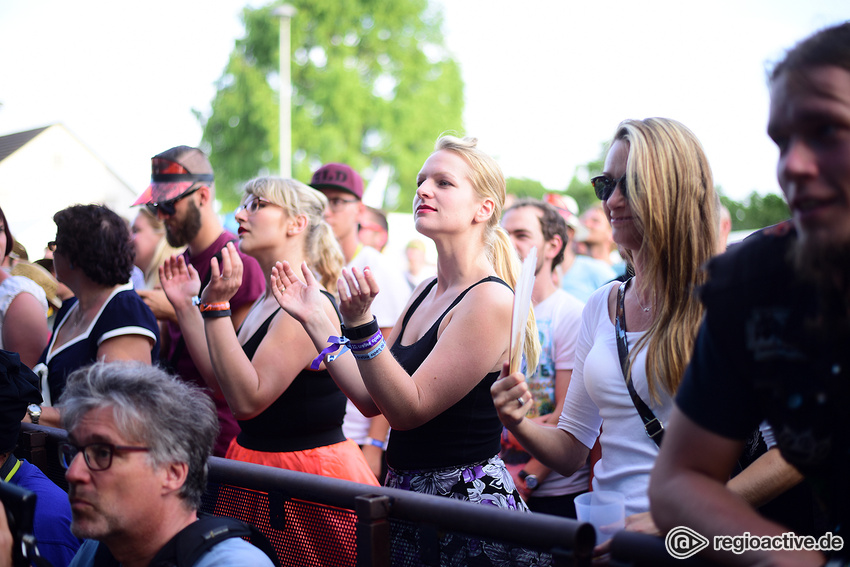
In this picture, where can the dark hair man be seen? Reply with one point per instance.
(774, 341)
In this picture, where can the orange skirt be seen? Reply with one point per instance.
(342, 460)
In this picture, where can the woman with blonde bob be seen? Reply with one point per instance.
(431, 377)
(152, 248)
(657, 191)
(289, 411)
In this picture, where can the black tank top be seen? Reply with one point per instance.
(308, 414)
(466, 433)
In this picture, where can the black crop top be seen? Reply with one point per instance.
(466, 433)
(308, 414)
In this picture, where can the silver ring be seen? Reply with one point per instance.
(520, 402)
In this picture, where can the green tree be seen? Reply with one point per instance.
(524, 187)
(579, 187)
(372, 85)
(757, 211)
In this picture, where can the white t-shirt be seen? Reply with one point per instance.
(558, 321)
(387, 307)
(598, 394)
(11, 288)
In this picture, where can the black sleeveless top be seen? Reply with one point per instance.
(466, 433)
(308, 414)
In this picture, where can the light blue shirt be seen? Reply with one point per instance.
(585, 276)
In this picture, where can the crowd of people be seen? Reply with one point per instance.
(699, 383)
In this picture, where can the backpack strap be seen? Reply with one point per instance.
(185, 548)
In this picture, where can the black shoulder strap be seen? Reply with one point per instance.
(654, 427)
(185, 548)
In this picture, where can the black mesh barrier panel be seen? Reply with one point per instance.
(304, 534)
(422, 545)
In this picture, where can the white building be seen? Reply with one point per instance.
(45, 170)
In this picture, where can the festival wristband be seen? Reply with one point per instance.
(375, 443)
(221, 306)
(340, 343)
(372, 354)
(366, 345)
(361, 332)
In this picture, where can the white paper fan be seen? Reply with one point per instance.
(522, 307)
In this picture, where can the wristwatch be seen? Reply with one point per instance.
(530, 480)
(34, 411)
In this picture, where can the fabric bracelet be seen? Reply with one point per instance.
(361, 332)
(340, 343)
(372, 354)
(221, 306)
(375, 443)
(215, 314)
(367, 344)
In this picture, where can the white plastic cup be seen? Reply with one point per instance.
(604, 509)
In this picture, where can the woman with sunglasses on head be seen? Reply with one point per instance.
(290, 412)
(431, 377)
(658, 193)
(106, 319)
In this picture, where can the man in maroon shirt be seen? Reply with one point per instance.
(181, 194)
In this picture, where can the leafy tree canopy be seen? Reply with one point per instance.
(372, 84)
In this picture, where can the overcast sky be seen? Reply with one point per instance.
(547, 81)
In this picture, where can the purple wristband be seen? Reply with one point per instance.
(360, 346)
(340, 343)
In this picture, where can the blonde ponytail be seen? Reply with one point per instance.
(489, 182)
(507, 265)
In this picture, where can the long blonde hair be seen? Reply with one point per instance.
(488, 182)
(671, 194)
(161, 253)
(321, 248)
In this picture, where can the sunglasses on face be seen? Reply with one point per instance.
(168, 207)
(604, 186)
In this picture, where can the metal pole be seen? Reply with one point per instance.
(285, 12)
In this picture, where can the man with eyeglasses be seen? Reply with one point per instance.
(136, 460)
(344, 189)
(774, 339)
(182, 194)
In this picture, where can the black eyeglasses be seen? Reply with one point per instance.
(168, 207)
(98, 456)
(604, 186)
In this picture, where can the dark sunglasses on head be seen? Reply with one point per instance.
(169, 207)
(604, 186)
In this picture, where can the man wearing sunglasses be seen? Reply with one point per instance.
(774, 339)
(182, 194)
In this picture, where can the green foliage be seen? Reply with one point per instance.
(757, 212)
(524, 187)
(580, 188)
(372, 84)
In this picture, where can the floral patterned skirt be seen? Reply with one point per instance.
(487, 482)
